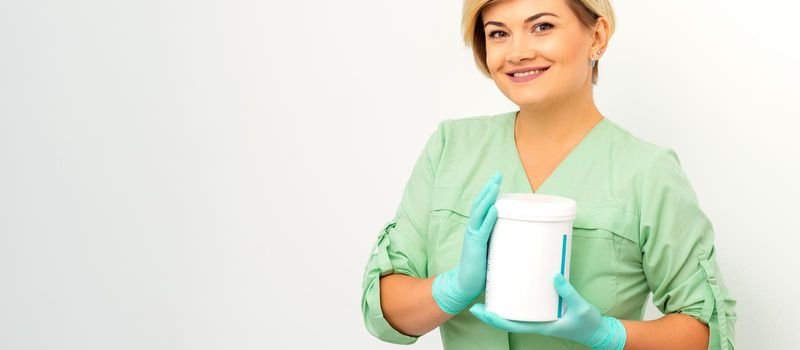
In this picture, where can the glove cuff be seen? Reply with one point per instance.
(445, 292)
(615, 335)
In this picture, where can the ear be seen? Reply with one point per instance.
(599, 38)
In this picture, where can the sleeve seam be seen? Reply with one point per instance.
(640, 180)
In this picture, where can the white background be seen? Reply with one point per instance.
(211, 175)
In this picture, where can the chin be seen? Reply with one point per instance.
(530, 99)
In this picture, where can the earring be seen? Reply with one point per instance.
(594, 60)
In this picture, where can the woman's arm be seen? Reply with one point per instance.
(408, 305)
(679, 256)
(673, 331)
(414, 306)
(584, 324)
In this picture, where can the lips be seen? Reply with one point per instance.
(527, 77)
(526, 69)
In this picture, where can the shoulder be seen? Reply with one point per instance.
(648, 169)
(640, 154)
(473, 131)
(461, 136)
(655, 170)
(474, 125)
(638, 147)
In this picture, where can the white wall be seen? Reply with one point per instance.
(211, 175)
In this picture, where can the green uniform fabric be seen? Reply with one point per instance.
(639, 229)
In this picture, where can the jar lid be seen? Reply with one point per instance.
(535, 207)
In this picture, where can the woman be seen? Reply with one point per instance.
(639, 228)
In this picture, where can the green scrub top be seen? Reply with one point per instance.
(639, 229)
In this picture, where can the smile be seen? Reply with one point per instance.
(521, 77)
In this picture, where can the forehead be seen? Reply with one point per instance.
(516, 11)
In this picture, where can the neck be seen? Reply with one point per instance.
(558, 122)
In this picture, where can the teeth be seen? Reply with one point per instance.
(525, 74)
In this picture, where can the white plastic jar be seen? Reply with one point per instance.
(530, 243)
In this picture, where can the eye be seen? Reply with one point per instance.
(492, 34)
(544, 25)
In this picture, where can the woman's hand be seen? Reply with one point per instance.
(455, 289)
(581, 322)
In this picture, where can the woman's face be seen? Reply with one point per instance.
(553, 38)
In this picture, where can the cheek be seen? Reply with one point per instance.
(560, 51)
(494, 60)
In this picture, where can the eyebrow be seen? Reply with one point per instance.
(530, 19)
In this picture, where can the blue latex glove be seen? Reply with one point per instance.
(581, 322)
(458, 287)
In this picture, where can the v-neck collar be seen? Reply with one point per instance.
(510, 123)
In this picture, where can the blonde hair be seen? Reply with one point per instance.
(587, 12)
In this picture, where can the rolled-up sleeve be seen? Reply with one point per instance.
(678, 252)
(401, 244)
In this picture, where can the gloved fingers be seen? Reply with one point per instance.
(488, 222)
(568, 292)
(479, 214)
(496, 179)
(480, 196)
(492, 319)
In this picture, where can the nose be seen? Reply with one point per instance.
(520, 50)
